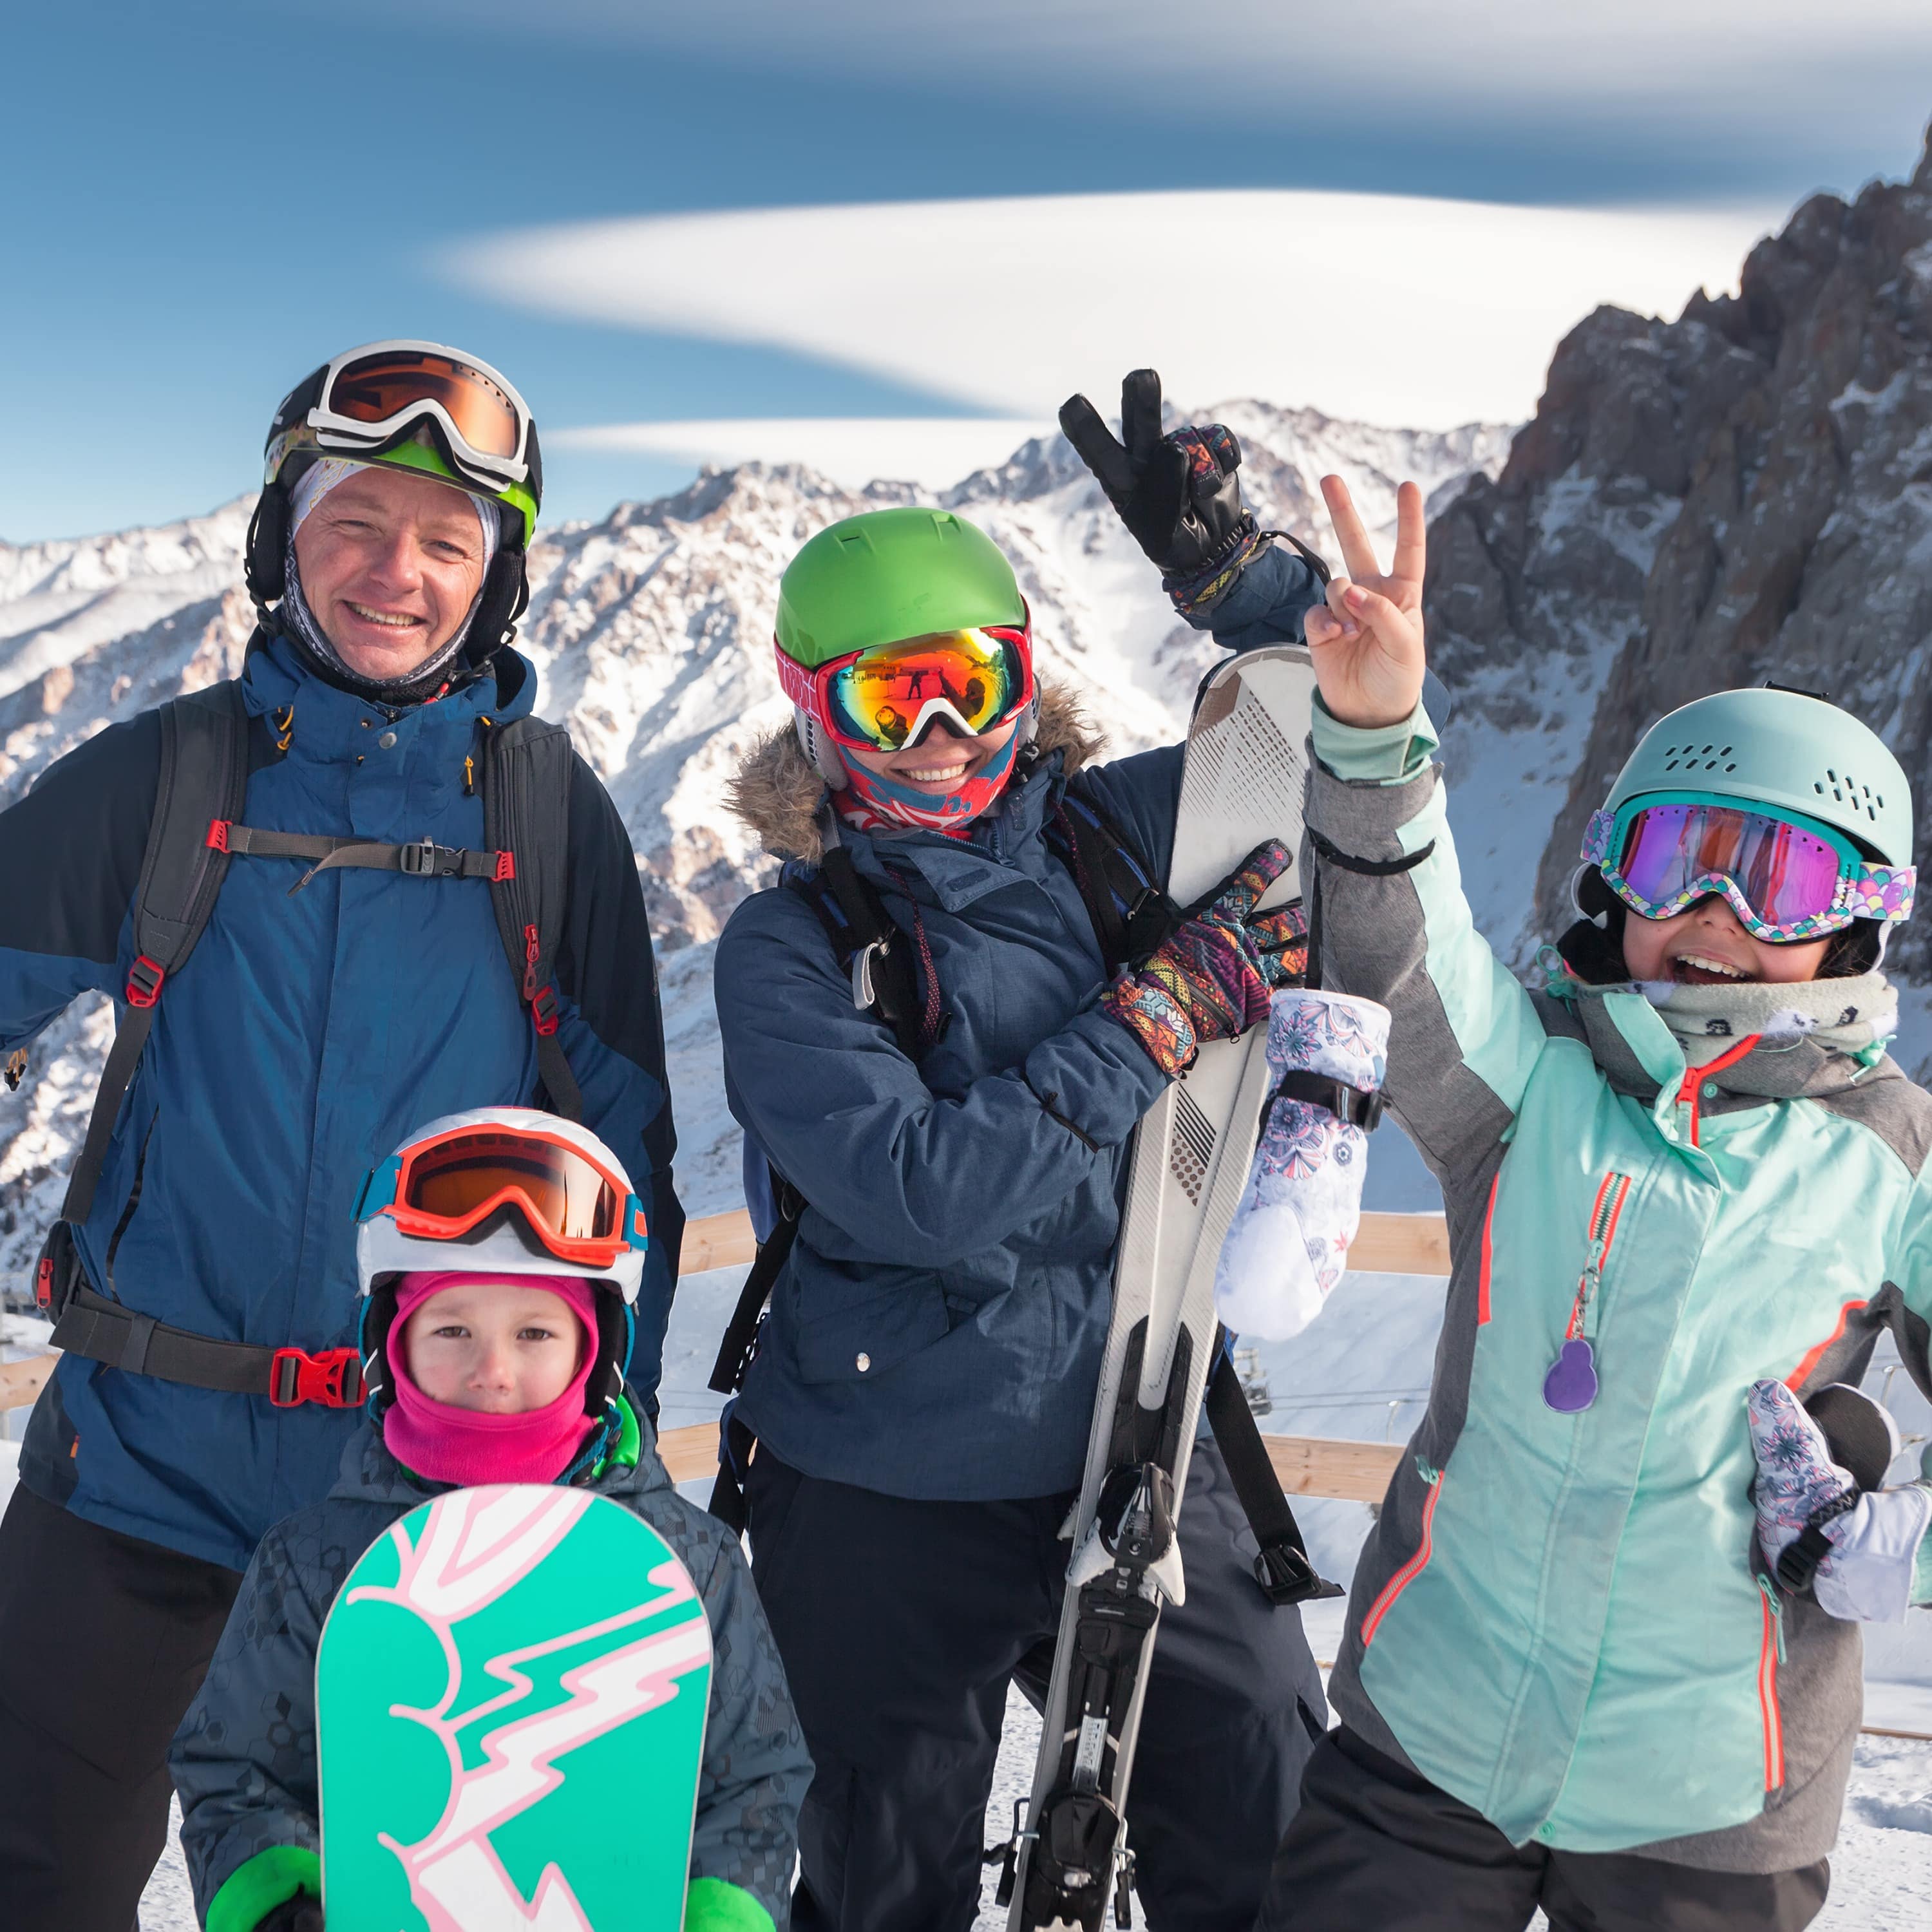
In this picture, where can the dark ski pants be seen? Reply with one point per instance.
(901, 1623)
(1376, 1845)
(104, 1640)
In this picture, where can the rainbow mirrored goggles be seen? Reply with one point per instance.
(442, 1188)
(882, 699)
(1786, 877)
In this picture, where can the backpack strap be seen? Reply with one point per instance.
(204, 775)
(1283, 1569)
(1131, 914)
(528, 766)
(868, 945)
(203, 780)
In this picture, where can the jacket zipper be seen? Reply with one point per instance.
(1416, 1564)
(1605, 1213)
(1771, 1654)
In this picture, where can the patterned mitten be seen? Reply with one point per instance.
(1288, 1241)
(1865, 1575)
(1209, 979)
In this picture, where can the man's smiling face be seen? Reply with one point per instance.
(390, 563)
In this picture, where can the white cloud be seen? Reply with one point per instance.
(934, 451)
(1714, 65)
(1382, 308)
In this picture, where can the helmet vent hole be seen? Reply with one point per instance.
(1730, 768)
(1818, 788)
(1671, 765)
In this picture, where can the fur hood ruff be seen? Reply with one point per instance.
(778, 791)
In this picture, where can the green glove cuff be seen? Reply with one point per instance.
(710, 1905)
(256, 1887)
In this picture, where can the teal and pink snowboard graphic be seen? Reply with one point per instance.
(511, 1694)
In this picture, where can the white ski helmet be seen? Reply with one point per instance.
(501, 1191)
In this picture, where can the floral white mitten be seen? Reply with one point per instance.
(1288, 1241)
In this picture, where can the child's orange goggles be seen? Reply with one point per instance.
(441, 1188)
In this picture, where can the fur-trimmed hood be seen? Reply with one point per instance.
(778, 791)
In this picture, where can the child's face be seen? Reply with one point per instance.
(1707, 946)
(500, 1348)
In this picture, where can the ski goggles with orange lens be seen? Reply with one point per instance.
(1787, 878)
(368, 398)
(442, 1188)
(882, 699)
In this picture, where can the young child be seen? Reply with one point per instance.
(500, 1252)
(925, 1384)
(1685, 1189)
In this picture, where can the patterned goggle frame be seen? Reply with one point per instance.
(1787, 878)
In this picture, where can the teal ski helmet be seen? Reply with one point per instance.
(1781, 749)
(1791, 757)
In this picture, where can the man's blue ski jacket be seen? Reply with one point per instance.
(303, 1039)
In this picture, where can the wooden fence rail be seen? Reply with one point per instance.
(1308, 1465)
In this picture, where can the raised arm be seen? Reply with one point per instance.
(1391, 921)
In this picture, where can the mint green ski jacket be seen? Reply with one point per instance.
(1565, 1620)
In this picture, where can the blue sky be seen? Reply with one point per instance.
(210, 197)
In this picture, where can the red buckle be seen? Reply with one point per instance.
(43, 1282)
(217, 834)
(506, 867)
(543, 1011)
(144, 981)
(334, 1378)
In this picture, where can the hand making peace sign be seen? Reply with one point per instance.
(1367, 644)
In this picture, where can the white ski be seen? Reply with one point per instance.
(1242, 784)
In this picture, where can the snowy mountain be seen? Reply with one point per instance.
(651, 631)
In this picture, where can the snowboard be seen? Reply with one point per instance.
(511, 1695)
(1242, 784)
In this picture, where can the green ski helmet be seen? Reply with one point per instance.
(1787, 753)
(877, 578)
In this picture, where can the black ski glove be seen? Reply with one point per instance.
(1177, 494)
(301, 1913)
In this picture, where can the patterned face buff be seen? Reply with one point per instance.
(1785, 877)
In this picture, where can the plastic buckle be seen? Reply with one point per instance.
(543, 1011)
(144, 981)
(424, 859)
(217, 834)
(506, 867)
(1286, 1576)
(333, 1377)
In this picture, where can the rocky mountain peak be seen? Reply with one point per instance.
(1743, 493)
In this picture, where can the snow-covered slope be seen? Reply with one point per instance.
(651, 631)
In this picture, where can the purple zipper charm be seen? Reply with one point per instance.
(1570, 1386)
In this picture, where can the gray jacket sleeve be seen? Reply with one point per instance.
(243, 1761)
(1393, 925)
(756, 1766)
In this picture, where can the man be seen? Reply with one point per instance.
(337, 995)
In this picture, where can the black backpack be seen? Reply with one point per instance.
(192, 838)
(1132, 915)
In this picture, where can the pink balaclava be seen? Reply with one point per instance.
(464, 1446)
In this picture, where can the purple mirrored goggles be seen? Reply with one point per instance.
(1786, 878)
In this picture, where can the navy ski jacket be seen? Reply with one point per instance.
(938, 1329)
(303, 1039)
(243, 1760)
